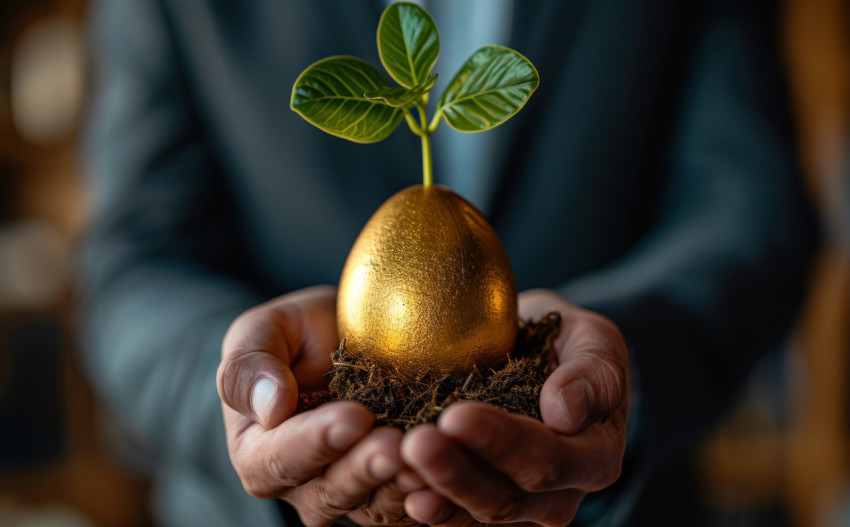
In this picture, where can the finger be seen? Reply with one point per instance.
(430, 508)
(451, 473)
(488, 496)
(588, 387)
(259, 386)
(385, 508)
(348, 484)
(387, 504)
(590, 382)
(269, 461)
(299, 327)
(536, 458)
(318, 336)
(265, 345)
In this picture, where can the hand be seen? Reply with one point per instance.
(326, 462)
(484, 465)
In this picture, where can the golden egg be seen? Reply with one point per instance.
(428, 287)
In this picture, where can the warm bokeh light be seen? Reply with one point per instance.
(47, 77)
(33, 264)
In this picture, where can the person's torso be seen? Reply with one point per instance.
(571, 177)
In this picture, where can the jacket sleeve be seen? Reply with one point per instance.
(159, 272)
(718, 279)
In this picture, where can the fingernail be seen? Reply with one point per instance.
(262, 398)
(382, 467)
(341, 436)
(575, 404)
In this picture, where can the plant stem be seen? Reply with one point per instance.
(427, 170)
(411, 122)
(435, 122)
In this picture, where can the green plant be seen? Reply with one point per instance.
(348, 97)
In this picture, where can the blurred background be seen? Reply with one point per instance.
(780, 459)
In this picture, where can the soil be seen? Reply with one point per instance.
(402, 402)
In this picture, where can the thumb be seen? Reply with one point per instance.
(591, 382)
(269, 346)
(259, 386)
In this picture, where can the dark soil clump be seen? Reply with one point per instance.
(401, 402)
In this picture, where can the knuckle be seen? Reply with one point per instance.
(503, 511)
(247, 319)
(613, 381)
(336, 504)
(268, 478)
(319, 454)
(313, 508)
(385, 507)
(607, 381)
(381, 518)
(282, 473)
(241, 325)
(252, 485)
(256, 488)
(595, 327)
(374, 516)
(593, 323)
(542, 480)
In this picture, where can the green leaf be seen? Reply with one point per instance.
(408, 43)
(401, 97)
(329, 95)
(493, 85)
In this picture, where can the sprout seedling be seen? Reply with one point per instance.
(348, 97)
(427, 286)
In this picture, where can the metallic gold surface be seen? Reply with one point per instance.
(428, 287)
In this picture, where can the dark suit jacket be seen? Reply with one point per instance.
(650, 178)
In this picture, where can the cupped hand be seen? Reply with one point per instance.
(328, 462)
(482, 465)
